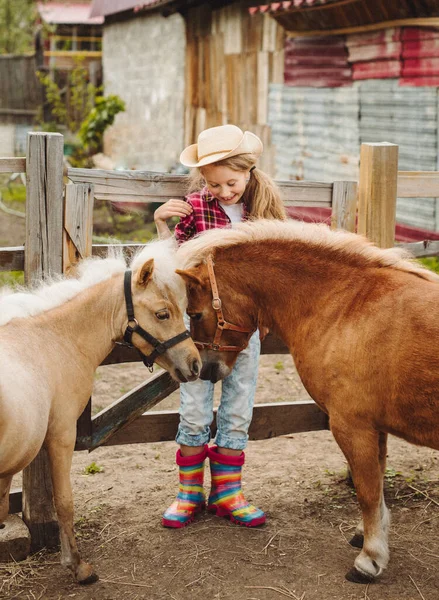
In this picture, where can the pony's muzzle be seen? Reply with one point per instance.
(214, 371)
(194, 368)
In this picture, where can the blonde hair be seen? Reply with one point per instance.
(261, 195)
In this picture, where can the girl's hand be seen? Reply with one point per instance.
(172, 208)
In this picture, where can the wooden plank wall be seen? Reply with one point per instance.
(20, 90)
(232, 58)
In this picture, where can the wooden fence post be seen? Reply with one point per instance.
(344, 205)
(377, 193)
(43, 257)
(77, 244)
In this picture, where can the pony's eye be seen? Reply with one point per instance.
(195, 316)
(162, 315)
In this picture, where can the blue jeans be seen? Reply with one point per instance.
(235, 410)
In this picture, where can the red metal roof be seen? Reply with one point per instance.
(105, 8)
(294, 4)
(74, 13)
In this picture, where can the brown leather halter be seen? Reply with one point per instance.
(221, 322)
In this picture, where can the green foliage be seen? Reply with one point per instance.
(102, 115)
(17, 19)
(70, 105)
(92, 469)
(279, 366)
(11, 278)
(79, 108)
(431, 263)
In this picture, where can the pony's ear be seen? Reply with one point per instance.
(190, 277)
(145, 273)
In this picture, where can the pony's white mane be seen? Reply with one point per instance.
(48, 295)
(195, 251)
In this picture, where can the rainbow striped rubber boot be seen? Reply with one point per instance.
(226, 498)
(190, 498)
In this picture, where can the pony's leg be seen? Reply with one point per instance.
(5, 486)
(357, 540)
(60, 450)
(362, 450)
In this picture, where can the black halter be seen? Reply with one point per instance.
(159, 347)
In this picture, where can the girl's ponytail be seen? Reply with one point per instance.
(262, 197)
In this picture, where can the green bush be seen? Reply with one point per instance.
(101, 116)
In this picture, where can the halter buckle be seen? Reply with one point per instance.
(216, 304)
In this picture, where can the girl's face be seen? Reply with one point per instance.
(224, 183)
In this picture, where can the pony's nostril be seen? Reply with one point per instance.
(196, 367)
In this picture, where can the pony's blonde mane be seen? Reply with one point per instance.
(47, 295)
(195, 251)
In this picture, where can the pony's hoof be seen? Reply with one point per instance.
(357, 541)
(85, 574)
(90, 579)
(357, 576)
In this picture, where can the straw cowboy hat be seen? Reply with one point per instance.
(218, 143)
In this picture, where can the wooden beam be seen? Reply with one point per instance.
(43, 258)
(414, 22)
(12, 165)
(269, 420)
(144, 186)
(15, 504)
(422, 249)
(377, 193)
(128, 408)
(12, 259)
(418, 184)
(77, 238)
(78, 225)
(344, 205)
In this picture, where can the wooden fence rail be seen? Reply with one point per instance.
(67, 238)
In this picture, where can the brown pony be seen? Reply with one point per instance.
(51, 342)
(362, 325)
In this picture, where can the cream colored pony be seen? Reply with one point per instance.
(51, 342)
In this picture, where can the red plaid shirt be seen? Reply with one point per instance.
(206, 214)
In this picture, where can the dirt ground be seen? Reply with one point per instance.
(301, 553)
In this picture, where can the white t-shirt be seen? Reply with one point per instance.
(233, 211)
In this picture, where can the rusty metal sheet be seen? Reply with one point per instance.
(420, 67)
(316, 63)
(377, 69)
(374, 52)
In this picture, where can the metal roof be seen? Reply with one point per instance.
(293, 5)
(300, 17)
(104, 8)
(74, 13)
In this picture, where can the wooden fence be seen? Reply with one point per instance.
(58, 234)
(20, 90)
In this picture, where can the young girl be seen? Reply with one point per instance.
(230, 189)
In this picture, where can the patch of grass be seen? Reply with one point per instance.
(92, 469)
(431, 263)
(279, 366)
(14, 194)
(12, 278)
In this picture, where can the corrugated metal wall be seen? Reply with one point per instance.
(407, 117)
(315, 132)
